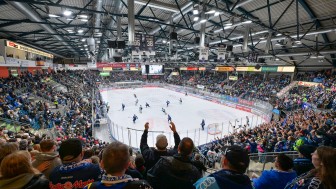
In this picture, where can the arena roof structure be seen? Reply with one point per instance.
(288, 32)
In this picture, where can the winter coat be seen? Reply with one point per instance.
(75, 175)
(224, 179)
(306, 181)
(302, 165)
(269, 177)
(43, 157)
(151, 155)
(173, 172)
(25, 181)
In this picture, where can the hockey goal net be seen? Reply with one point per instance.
(214, 129)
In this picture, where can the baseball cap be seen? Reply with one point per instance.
(307, 150)
(237, 157)
(70, 149)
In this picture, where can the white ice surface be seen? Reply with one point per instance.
(186, 116)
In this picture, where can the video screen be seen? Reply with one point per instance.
(155, 69)
(152, 69)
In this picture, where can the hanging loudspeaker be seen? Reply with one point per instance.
(173, 36)
(197, 40)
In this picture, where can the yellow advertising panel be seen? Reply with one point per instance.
(224, 69)
(107, 69)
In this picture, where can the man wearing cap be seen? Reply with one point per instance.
(152, 155)
(175, 172)
(303, 163)
(235, 161)
(74, 173)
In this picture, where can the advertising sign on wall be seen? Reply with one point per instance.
(308, 84)
(27, 49)
(224, 69)
(233, 78)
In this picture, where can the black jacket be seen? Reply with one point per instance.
(151, 155)
(199, 165)
(173, 172)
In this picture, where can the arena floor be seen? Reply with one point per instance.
(187, 115)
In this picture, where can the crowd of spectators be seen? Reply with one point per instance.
(73, 159)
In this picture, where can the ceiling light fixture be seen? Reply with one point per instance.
(98, 34)
(216, 13)
(82, 16)
(195, 11)
(196, 18)
(83, 39)
(247, 22)
(70, 19)
(171, 9)
(67, 13)
(53, 16)
(279, 34)
(210, 12)
(80, 31)
(203, 20)
(84, 20)
(298, 42)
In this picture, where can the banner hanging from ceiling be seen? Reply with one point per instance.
(221, 53)
(203, 54)
(143, 45)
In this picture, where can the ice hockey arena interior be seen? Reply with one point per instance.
(168, 94)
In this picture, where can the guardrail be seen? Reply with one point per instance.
(258, 161)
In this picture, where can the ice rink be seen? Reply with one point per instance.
(187, 115)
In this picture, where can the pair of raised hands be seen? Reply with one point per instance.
(171, 126)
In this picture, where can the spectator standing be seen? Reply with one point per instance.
(281, 176)
(48, 153)
(235, 161)
(74, 172)
(152, 155)
(303, 163)
(176, 171)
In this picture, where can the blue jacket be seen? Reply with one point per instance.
(224, 179)
(114, 182)
(74, 175)
(302, 165)
(273, 179)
